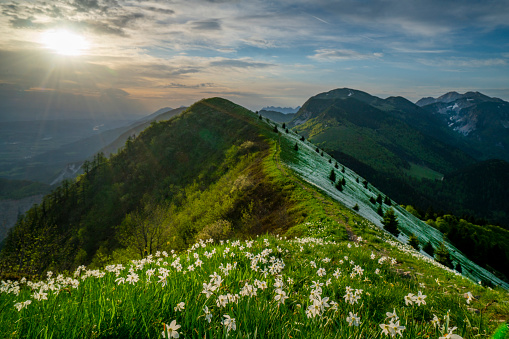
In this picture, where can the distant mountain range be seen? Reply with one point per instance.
(284, 110)
(407, 150)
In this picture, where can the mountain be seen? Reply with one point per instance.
(216, 170)
(397, 145)
(155, 114)
(219, 192)
(482, 122)
(277, 116)
(284, 110)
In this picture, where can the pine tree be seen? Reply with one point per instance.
(387, 201)
(339, 186)
(458, 267)
(296, 147)
(356, 207)
(428, 248)
(317, 150)
(284, 125)
(343, 169)
(302, 138)
(286, 130)
(332, 176)
(336, 166)
(380, 211)
(414, 242)
(379, 199)
(443, 256)
(372, 200)
(390, 222)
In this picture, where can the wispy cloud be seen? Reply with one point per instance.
(460, 62)
(342, 55)
(239, 63)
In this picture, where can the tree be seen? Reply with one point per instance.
(286, 130)
(380, 211)
(428, 248)
(336, 166)
(275, 129)
(414, 242)
(443, 256)
(296, 147)
(387, 201)
(458, 267)
(390, 222)
(144, 231)
(379, 199)
(302, 138)
(284, 125)
(317, 150)
(356, 207)
(332, 175)
(339, 186)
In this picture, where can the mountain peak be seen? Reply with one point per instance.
(453, 96)
(284, 110)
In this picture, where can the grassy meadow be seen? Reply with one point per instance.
(272, 286)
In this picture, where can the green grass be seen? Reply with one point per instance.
(419, 171)
(103, 307)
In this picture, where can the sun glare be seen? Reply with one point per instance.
(64, 42)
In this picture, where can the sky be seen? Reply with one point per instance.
(128, 58)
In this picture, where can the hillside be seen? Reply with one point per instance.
(234, 177)
(396, 145)
(169, 174)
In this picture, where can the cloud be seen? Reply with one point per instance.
(343, 55)
(419, 17)
(461, 62)
(177, 85)
(239, 63)
(160, 10)
(208, 25)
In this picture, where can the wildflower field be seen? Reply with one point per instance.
(269, 287)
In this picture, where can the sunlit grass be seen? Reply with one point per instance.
(271, 287)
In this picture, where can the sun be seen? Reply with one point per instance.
(64, 42)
